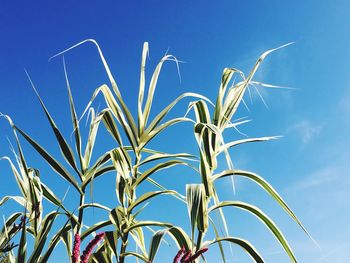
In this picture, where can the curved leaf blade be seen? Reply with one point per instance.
(265, 219)
(244, 244)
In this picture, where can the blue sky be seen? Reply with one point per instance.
(309, 165)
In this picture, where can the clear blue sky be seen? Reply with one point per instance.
(309, 165)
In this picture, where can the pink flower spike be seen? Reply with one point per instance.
(76, 249)
(89, 248)
(186, 257)
(197, 254)
(179, 254)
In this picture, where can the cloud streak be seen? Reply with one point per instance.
(307, 130)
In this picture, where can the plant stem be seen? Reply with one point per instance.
(130, 201)
(123, 248)
(81, 212)
(199, 240)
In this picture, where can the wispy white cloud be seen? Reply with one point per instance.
(319, 178)
(335, 253)
(325, 212)
(307, 130)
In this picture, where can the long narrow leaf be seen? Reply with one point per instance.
(264, 185)
(148, 196)
(157, 168)
(64, 147)
(126, 111)
(74, 117)
(141, 120)
(243, 244)
(50, 160)
(265, 219)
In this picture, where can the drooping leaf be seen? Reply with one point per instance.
(243, 244)
(112, 240)
(147, 223)
(155, 242)
(157, 168)
(137, 255)
(124, 109)
(266, 186)
(94, 228)
(265, 219)
(148, 196)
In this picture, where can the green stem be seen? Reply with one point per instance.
(81, 212)
(130, 201)
(199, 240)
(123, 248)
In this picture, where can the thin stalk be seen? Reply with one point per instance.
(130, 201)
(81, 212)
(123, 248)
(199, 240)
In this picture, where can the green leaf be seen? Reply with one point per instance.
(56, 166)
(8, 231)
(94, 125)
(111, 127)
(115, 109)
(64, 147)
(157, 168)
(181, 238)
(121, 161)
(267, 187)
(159, 186)
(42, 236)
(94, 205)
(50, 195)
(22, 248)
(137, 255)
(155, 242)
(238, 142)
(19, 199)
(97, 169)
(222, 253)
(243, 244)
(153, 85)
(112, 240)
(195, 197)
(149, 134)
(225, 79)
(139, 239)
(66, 238)
(94, 228)
(235, 94)
(148, 196)
(74, 117)
(147, 223)
(20, 182)
(54, 241)
(141, 120)
(265, 219)
(167, 109)
(126, 111)
(160, 156)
